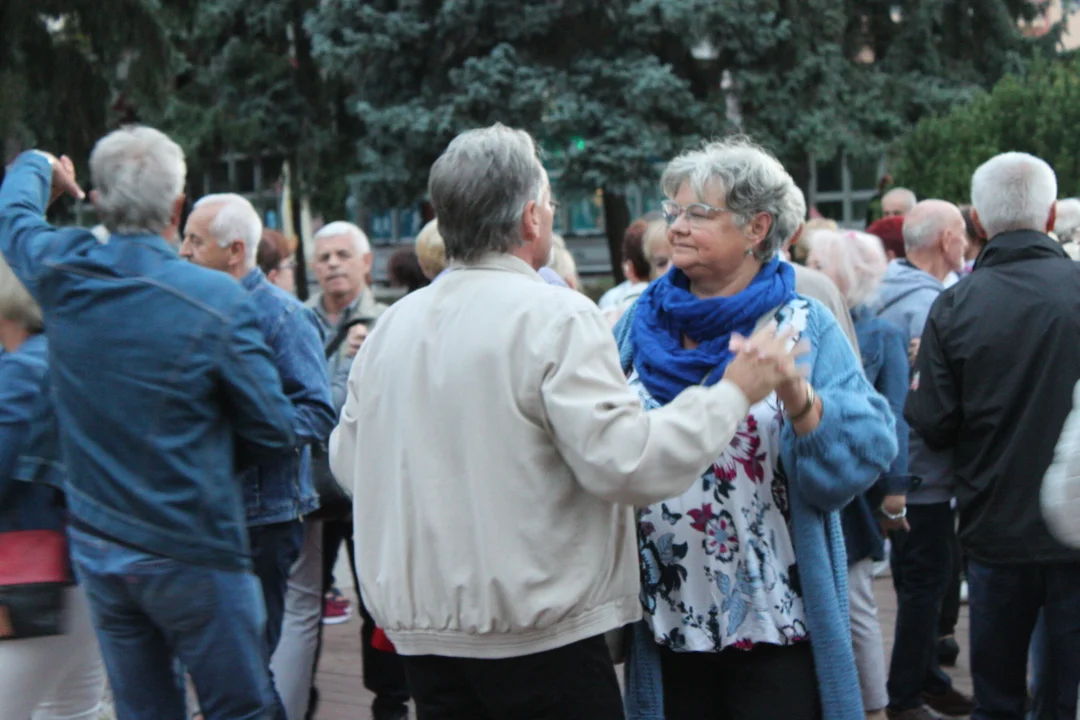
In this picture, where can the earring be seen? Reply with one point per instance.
(749, 252)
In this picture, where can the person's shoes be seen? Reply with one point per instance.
(948, 651)
(920, 713)
(336, 608)
(952, 704)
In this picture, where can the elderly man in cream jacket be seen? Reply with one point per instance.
(496, 454)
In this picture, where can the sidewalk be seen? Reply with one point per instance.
(341, 682)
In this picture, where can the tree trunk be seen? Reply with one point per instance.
(616, 220)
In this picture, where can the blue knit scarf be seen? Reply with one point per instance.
(667, 311)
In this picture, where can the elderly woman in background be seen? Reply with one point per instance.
(430, 250)
(800, 249)
(275, 258)
(646, 256)
(58, 676)
(856, 262)
(744, 575)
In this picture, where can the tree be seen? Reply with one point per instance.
(1034, 111)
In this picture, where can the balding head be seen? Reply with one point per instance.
(1013, 191)
(898, 201)
(934, 235)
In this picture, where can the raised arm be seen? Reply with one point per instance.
(27, 241)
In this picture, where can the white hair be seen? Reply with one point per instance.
(236, 219)
(925, 223)
(341, 227)
(1013, 191)
(138, 173)
(1067, 221)
(751, 179)
(904, 195)
(855, 261)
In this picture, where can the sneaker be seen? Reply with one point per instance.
(952, 704)
(336, 608)
(920, 713)
(948, 651)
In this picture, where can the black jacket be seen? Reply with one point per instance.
(999, 358)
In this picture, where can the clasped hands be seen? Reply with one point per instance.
(765, 362)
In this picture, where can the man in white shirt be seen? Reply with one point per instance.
(497, 452)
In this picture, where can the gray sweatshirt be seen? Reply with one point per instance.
(905, 298)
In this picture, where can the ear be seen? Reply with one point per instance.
(530, 222)
(759, 228)
(178, 210)
(1052, 220)
(368, 260)
(980, 231)
(237, 253)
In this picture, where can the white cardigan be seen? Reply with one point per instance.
(1061, 486)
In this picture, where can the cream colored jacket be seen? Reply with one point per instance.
(1061, 486)
(496, 450)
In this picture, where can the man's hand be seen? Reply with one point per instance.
(763, 362)
(63, 177)
(357, 335)
(894, 505)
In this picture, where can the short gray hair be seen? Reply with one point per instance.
(925, 223)
(1013, 191)
(16, 304)
(138, 173)
(906, 196)
(342, 227)
(856, 261)
(480, 187)
(1068, 220)
(236, 219)
(752, 180)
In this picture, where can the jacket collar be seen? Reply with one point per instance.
(154, 242)
(253, 279)
(1017, 245)
(499, 261)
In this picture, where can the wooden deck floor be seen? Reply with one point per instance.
(344, 697)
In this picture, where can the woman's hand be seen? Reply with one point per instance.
(894, 505)
(763, 362)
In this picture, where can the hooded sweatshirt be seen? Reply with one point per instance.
(905, 298)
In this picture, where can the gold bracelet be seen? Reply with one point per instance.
(811, 397)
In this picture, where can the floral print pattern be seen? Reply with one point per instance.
(717, 563)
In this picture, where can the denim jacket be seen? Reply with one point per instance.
(23, 506)
(281, 489)
(162, 380)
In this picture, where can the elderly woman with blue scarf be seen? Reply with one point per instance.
(744, 576)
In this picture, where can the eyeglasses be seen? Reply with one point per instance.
(554, 205)
(697, 214)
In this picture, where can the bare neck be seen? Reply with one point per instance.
(931, 263)
(725, 286)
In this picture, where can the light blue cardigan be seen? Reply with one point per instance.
(851, 447)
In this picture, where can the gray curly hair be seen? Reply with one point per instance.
(752, 181)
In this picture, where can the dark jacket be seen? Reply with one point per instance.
(883, 347)
(162, 380)
(23, 505)
(281, 489)
(993, 381)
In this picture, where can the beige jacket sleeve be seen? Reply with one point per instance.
(616, 450)
(1061, 486)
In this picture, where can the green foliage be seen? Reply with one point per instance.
(1035, 111)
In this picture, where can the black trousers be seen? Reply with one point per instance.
(575, 682)
(950, 606)
(766, 683)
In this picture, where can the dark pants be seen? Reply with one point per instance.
(950, 605)
(274, 549)
(384, 674)
(921, 566)
(1005, 604)
(574, 682)
(766, 682)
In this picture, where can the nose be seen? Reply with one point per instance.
(681, 226)
(185, 249)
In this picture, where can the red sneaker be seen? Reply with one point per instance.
(336, 608)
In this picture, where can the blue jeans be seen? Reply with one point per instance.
(147, 609)
(274, 549)
(1004, 603)
(921, 565)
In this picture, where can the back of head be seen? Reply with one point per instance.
(926, 222)
(898, 201)
(480, 187)
(348, 229)
(236, 219)
(16, 304)
(138, 174)
(405, 271)
(273, 250)
(430, 250)
(633, 248)
(1013, 191)
(1067, 222)
(891, 232)
(855, 261)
